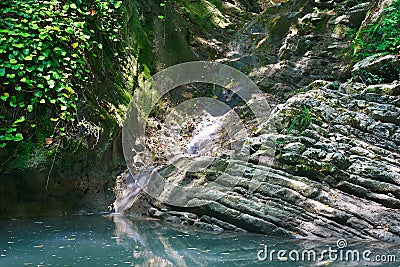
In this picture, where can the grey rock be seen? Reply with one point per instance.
(173, 219)
(374, 63)
(208, 227)
(295, 148)
(336, 175)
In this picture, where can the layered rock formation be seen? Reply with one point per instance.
(336, 175)
(336, 171)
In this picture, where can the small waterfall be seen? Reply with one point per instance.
(203, 136)
(126, 192)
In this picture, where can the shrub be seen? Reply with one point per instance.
(45, 47)
(301, 121)
(383, 36)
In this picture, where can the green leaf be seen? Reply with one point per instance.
(33, 100)
(46, 52)
(18, 45)
(38, 93)
(13, 101)
(22, 119)
(34, 26)
(10, 130)
(18, 137)
(72, 6)
(56, 76)
(69, 30)
(7, 137)
(51, 83)
(118, 4)
(43, 35)
(2, 72)
(25, 34)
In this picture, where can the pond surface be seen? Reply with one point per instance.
(118, 241)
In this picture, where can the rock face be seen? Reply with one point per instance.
(336, 167)
(81, 181)
(337, 176)
(294, 43)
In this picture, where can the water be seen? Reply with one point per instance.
(117, 241)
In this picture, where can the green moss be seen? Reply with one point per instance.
(279, 27)
(30, 154)
(141, 42)
(202, 12)
(218, 165)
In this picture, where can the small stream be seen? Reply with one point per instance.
(118, 241)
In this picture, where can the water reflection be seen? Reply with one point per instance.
(164, 245)
(119, 241)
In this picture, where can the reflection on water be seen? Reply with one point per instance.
(117, 241)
